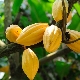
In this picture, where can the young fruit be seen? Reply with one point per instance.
(57, 9)
(52, 38)
(13, 32)
(32, 34)
(30, 63)
(75, 46)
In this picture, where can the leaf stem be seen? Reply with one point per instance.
(68, 42)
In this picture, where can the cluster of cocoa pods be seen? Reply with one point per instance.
(37, 32)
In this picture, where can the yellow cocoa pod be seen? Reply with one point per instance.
(30, 63)
(52, 38)
(57, 9)
(75, 46)
(32, 34)
(13, 32)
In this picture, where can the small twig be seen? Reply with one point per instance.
(68, 42)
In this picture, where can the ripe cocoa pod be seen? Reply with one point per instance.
(52, 38)
(75, 46)
(13, 32)
(30, 63)
(32, 34)
(57, 9)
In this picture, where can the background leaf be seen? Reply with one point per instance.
(16, 6)
(37, 12)
(62, 68)
(75, 23)
(77, 7)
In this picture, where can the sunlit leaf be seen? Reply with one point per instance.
(48, 5)
(77, 7)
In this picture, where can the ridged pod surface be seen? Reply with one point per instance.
(57, 9)
(30, 63)
(73, 36)
(32, 34)
(52, 38)
(13, 32)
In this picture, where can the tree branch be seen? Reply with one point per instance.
(53, 55)
(13, 48)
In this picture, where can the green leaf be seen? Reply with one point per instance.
(38, 77)
(37, 12)
(78, 27)
(48, 5)
(40, 52)
(62, 68)
(77, 7)
(24, 21)
(16, 6)
(75, 22)
(72, 55)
